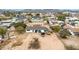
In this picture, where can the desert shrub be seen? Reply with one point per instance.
(48, 33)
(3, 31)
(34, 44)
(71, 47)
(64, 33)
(55, 28)
(20, 27)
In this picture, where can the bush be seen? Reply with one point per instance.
(3, 31)
(20, 24)
(64, 33)
(20, 27)
(34, 44)
(71, 47)
(55, 28)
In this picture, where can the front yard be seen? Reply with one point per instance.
(48, 42)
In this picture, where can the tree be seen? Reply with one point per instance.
(9, 14)
(61, 16)
(45, 18)
(20, 27)
(20, 24)
(38, 15)
(64, 33)
(56, 28)
(2, 31)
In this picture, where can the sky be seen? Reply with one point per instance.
(39, 4)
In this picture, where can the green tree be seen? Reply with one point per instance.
(2, 31)
(56, 28)
(61, 16)
(20, 27)
(38, 15)
(45, 18)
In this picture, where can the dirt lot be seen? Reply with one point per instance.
(72, 42)
(49, 42)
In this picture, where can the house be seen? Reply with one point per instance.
(36, 19)
(54, 22)
(74, 21)
(20, 18)
(37, 29)
(6, 23)
(74, 30)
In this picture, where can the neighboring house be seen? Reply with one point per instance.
(6, 23)
(73, 29)
(72, 21)
(36, 19)
(54, 22)
(37, 29)
(21, 18)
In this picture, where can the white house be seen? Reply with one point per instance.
(72, 21)
(36, 29)
(5, 23)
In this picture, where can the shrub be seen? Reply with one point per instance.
(34, 44)
(55, 28)
(20, 24)
(20, 27)
(2, 31)
(64, 33)
(71, 47)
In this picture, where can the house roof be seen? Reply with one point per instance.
(20, 17)
(37, 27)
(3, 21)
